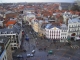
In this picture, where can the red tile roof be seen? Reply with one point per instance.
(10, 22)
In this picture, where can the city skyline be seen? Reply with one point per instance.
(12, 1)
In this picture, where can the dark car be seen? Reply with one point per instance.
(24, 51)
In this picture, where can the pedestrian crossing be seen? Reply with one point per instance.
(75, 46)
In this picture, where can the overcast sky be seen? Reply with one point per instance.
(7, 1)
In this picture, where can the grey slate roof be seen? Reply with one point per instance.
(64, 27)
(49, 26)
(73, 20)
(16, 29)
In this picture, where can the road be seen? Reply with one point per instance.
(60, 51)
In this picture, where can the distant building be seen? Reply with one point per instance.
(65, 6)
(28, 17)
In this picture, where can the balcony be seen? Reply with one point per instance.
(74, 27)
(74, 31)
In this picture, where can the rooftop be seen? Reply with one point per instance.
(74, 20)
(15, 29)
(50, 26)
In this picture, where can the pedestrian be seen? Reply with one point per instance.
(57, 47)
(45, 48)
(47, 55)
(60, 46)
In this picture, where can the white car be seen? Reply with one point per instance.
(33, 51)
(30, 55)
(19, 56)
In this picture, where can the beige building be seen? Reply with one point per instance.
(35, 27)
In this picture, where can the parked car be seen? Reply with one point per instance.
(50, 52)
(27, 37)
(24, 51)
(19, 56)
(33, 51)
(30, 55)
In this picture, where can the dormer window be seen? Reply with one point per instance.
(5, 32)
(11, 32)
(10, 26)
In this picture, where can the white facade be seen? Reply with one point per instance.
(57, 32)
(53, 33)
(64, 33)
(74, 27)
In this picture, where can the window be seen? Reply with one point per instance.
(72, 25)
(14, 44)
(11, 32)
(63, 37)
(14, 41)
(12, 48)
